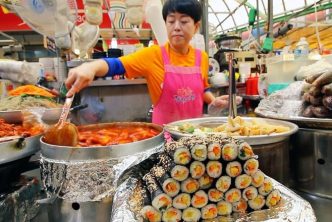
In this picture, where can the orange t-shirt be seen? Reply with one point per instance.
(148, 63)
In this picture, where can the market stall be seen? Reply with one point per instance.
(108, 162)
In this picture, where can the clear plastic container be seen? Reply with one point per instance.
(302, 47)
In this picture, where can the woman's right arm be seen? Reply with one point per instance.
(81, 76)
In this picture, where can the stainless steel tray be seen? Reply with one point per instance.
(252, 140)
(303, 122)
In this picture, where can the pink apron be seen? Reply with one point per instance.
(182, 92)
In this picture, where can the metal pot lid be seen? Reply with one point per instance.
(252, 140)
(103, 152)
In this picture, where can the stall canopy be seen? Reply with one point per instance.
(230, 15)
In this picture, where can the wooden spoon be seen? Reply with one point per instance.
(63, 133)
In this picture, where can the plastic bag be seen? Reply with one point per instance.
(94, 112)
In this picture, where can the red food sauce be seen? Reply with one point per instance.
(114, 135)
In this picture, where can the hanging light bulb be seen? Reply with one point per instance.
(114, 42)
(151, 42)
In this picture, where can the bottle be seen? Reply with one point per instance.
(302, 48)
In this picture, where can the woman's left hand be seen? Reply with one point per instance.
(220, 103)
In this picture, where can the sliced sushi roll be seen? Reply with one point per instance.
(245, 151)
(273, 198)
(189, 185)
(257, 203)
(233, 195)
(251, 166)
(266, 187)
(214, 168)
(171, 215)
(199, 152)
(224, 208)
(223, 183)
(181, 156)
(150, 214)
(205, 181)
(215, 195)
(191, 214)
(229, 151)
(181, 201)
(199, 199)
(257, 178)
(171, 187)
(159, 173)
(179, 172)
(242, 181)
(233, 169)
(209, 211)
(160, 200)
(197, 169)
(214, 151)
(249, 193)
(240, 206)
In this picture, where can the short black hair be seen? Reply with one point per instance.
(192, 8)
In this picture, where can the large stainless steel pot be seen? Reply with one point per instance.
(107, 161)
(272, 150)
(311, 161)
(104, 152)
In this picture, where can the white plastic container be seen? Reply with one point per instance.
(302, 47)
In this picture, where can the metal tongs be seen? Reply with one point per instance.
(232, 113)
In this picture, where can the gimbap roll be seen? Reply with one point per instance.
(266, 187)
(215, 195)
(249, 193)
(229, 151)
(245, 151)
(214, 151)
(171, 187)
(199, 199)
(233, 169)
(197, 169)
(150, 214)
(199, 152)
(242, 181)
(189, 185)
(159, 173)
(223, 183)
(172, 215)
(181, 201)
(179, 172)
(240, 206)
(273, 198)
(214, 168)
(191, 214)
(224, 208)
(160, 200)
(205, 181)
(181, 156)
(209, 211)
(257, 203)
(251, 166)
(233, 195)
(257, 178)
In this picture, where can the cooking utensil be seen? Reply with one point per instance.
(232, 88)
(63, 133)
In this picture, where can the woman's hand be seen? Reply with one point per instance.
(79, 77)
(220, 103)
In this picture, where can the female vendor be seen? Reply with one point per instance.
(176, 73)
